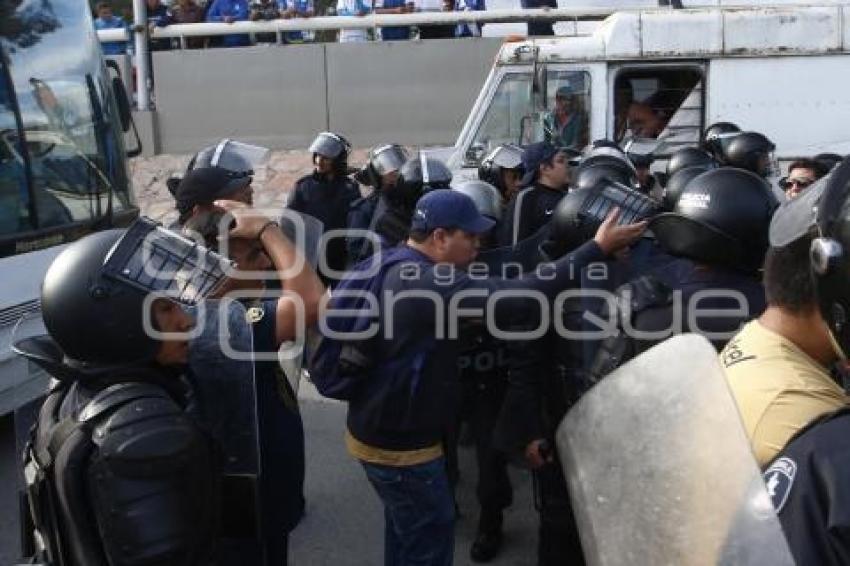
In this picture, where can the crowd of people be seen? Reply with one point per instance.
(162, 14)
(432, 307)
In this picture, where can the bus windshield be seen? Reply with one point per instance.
(62, 159)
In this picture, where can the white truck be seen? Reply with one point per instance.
(667, 73)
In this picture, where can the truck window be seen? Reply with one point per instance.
(14, 197)
(566, 121)
(511, 117)
(503, 120)
(662, 103)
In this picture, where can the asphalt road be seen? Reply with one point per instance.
(344, 521)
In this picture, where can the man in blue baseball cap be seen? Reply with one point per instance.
(403, 388)
(548, 173)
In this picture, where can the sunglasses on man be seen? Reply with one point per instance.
(800, 183)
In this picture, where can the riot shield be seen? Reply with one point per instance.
(510, 261)
(307, 238)
(660, 470)
(224, 387)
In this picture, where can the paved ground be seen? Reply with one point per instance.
(344, 521)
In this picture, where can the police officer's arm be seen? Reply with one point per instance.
(302, 288)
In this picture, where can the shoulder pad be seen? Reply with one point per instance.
(117, 395)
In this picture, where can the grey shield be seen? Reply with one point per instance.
(660, 470)
(508, 261)
(224, 384)
(306, 232)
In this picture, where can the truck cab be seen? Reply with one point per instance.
(664, 75)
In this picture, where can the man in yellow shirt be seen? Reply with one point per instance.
(778, 366)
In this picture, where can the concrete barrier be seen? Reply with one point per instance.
(412, 92)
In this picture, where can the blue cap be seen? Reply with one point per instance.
(532, 156)
(445, 208)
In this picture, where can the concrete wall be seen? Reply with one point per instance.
(412, 92)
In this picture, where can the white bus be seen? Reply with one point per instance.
(63, 166)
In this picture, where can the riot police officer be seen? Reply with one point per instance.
(118, 417)
(718, 234)
(689, 157)
(547, 177)
(503, 169)
(754, 152)
(327, 193)
(381, 173)
(419, 175)
(808, 480)
(716, 138)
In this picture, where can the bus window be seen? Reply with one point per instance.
(568, 98)
(664, 103)
(14, 197)
(503, 120)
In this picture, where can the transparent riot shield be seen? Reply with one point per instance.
(660, 470)
(224, 386)
(305, 231)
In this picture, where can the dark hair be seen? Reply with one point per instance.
(419, 236)
(101, 5)
(788, 279)
(816, 166)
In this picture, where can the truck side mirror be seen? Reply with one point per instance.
(125, 113)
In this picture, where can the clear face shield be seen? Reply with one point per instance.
(330, 145)
(388, 158)
(155, 260)
(506, 157)
(233, 156)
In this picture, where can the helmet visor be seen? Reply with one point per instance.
(506, 157)
(388, 158)
(153, 259)
(328, 144)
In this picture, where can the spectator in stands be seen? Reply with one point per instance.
(264, 10)
(229, 11)
(801, 174)
(357, 8)
(188, 12)
(394, 33)
(107, 20)
(158, 17)
(539, 28)
(471, 29)
(435, 32)
(297, 9)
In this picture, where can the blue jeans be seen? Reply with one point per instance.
(419, 513)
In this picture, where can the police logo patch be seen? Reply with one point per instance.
(778, 479)
(254, 315)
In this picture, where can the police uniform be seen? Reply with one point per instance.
(329, 201)
(779, 389)
(810, 489)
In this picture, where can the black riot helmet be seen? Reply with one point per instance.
(382, 160)
(677, 183)
(579, 214)
(420, 175)
(94, 293)
(605, 161)
(486, 197)
(689, 157)
(716, 138)
(754, 152)
(830, 256)
(721, 218)
(504, 157)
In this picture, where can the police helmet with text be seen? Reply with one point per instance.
(721, 218)
(676, 185)
(486, 197)
(504, 157)
(689, 157)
